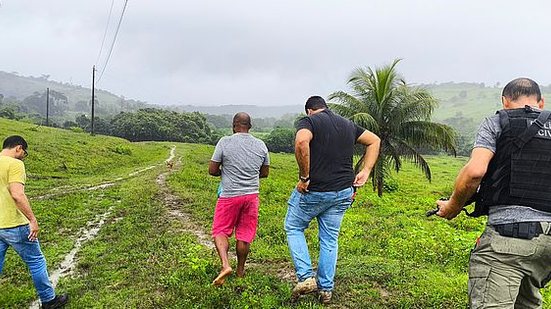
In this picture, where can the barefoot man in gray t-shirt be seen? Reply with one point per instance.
(244, 159)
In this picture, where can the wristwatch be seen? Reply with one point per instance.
(304, 178)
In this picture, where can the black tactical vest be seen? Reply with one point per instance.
(520, 171)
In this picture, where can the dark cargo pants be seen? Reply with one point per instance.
(506, 272)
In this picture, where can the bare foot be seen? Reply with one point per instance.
(240, 273)
(222, 276)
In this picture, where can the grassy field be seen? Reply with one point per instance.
(144, 256)
(61, 158)
(60, 161)
(390, 254)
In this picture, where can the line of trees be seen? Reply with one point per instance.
(151, 124)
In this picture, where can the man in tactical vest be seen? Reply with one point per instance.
(510, 166)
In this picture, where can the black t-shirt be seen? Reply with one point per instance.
(331, 150)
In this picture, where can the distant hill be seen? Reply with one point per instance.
(16, 87)
(462, 105)
(20, 87)
(253, 110)
(470, 100)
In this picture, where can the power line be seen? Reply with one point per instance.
(106, 28)
(114, 39)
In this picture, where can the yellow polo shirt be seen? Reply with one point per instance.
(11, 170)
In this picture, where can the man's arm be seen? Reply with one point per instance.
(214, 168)
(17, 192)
(466, 183)
(264, 171)
(373, 143)
(302, 155)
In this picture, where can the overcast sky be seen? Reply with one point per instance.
(272, 52)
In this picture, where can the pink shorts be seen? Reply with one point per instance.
(239, 213)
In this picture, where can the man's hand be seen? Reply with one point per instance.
(446, 210)
(33, 236)
(361, 178)
(302, 186)
(214, 168)
(466, 183)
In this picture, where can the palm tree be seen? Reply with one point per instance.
(399, 114)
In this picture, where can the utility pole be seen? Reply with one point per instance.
(93, 96)
(47, 106)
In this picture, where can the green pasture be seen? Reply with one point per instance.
(390, 254)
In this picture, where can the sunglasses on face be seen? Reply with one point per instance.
(25, 153)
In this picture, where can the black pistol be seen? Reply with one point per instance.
(433, 212)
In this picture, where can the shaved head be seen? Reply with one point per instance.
(242, 120)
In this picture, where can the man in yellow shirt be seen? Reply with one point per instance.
(18, 225)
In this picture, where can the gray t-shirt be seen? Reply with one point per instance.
(487, 136)
(242, 155)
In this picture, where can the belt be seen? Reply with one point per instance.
(523, 230)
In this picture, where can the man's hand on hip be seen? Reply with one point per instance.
(361, 178)
(302, 186)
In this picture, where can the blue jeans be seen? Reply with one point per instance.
(328, 208)
(30, 252)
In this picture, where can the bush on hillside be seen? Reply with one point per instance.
(281, 140)
(152, 124)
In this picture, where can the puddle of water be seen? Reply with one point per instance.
(68, 265)
(142, 170)
(102, 186)
(172, 154)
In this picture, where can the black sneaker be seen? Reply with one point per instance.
(58, 302)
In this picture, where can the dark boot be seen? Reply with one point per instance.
(58, 302)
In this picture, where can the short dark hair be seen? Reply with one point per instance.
(521, 87)
(314, 103)
(14, 141)
(242, 119)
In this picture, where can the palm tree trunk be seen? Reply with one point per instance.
(380, 183)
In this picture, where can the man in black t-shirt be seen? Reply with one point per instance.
(324, 148)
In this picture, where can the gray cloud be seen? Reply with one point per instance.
(271, 53)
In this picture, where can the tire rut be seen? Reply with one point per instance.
(104, 185)
(176, 209)
(88, 232)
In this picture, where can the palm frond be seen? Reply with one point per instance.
(343, 110)
(412, 155)
(366, 121)
(388, 79)
(430, 134)
(353, 104)
(391, 155)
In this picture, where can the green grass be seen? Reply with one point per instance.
(390, 254)
(64, 158)
(86, 161)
